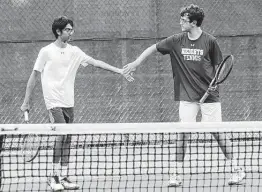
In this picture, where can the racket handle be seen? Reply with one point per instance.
(26, 116)
(202, 100)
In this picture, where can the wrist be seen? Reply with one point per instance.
(136, 63)
(132, 65)
(26, 102)
(119, 71)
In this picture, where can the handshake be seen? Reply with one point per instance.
(128, 71)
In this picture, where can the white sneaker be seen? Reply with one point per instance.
(67, 184)
(175, 181)
(237, 176)
(55, 184)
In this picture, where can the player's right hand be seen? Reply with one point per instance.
(127, 75)
(129, 69)
(25, 107)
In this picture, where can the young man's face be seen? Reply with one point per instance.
(186, 26)
(66, 33)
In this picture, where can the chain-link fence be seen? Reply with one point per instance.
(117, 32)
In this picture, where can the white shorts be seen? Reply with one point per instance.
(211, 112)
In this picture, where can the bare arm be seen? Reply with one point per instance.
(146, 53)
(35, 75)
(103, 65)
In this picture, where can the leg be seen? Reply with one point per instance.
(69, 118)
(68, 114)
(56, 116)
(211, 112)
(187, 113)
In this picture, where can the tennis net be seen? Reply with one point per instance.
(133, 157)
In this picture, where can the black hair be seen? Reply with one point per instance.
(60, 23)
(194, 13)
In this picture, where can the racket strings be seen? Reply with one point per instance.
(222, 72)
(30, 146)
(225, 69)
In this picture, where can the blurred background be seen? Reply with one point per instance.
(117, 32)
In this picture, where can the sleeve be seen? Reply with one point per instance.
(215, 53)
(40, 61)
(165, 46)
(84, 58)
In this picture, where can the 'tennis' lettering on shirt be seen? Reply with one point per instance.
(192, 54)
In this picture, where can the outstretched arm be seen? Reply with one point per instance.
(29, 90)
(103, 65)
(132, 66)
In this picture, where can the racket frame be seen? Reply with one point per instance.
(26, 140)
(215, 81)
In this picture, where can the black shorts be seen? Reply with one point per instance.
(61, 115)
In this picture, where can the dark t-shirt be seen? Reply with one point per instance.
(193, 64)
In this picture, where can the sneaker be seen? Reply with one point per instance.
(237, 176)
(55, 184)
(175, 181)
(67, 184)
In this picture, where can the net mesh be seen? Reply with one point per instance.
(134, 157)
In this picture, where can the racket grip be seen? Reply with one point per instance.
(26, 116)
(202, 100)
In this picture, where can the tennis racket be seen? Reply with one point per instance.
(222, 72)
(30, 144)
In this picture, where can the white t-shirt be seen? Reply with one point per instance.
(58, 67)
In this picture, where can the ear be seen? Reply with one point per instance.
(58, 32)
(194, 22)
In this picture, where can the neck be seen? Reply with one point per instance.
(60, 43)
(195, 33)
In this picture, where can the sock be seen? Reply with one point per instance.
(64, 171)
(233, 163)
(178, 168)
(56, 169)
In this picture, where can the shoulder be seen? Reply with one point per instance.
(78, 52)
(178, 36)
(174, 38)
(209, 37)
(47, 48)
(74, 48)
(45, 51)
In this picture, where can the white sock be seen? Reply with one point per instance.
(56, 169)
(64, 171)
(233, 163)
(178, 168)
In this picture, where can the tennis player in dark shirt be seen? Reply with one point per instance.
(194, 56)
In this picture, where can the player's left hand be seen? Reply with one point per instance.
(128, 76)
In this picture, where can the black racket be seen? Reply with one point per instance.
(222, 72)
(30, 144)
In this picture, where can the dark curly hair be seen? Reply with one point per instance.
(194, 13)
(60, 23)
